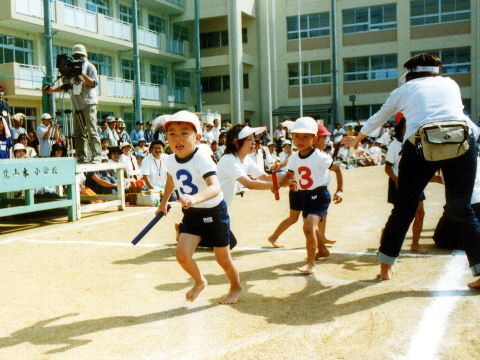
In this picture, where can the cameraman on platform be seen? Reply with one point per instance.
(85, 106)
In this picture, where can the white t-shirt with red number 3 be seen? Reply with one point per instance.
(311, 170)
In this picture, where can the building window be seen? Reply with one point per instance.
(182, 79)
(15, 49)
(371, 18)
(214, 39)
(128, 72)
(69, 2)
(180, 32)
(158, 75)
(454, 61)
(156, 23)
(311, 26)
(246, 83)
(314, 72)
(371, 68)
(244, 35)
(362, 112)
(126, 14)
(103, 63)
(426, 12)
(99, 6)
(215, 83)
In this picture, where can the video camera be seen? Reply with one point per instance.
(68, 66)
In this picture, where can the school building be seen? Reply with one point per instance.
(374, 38)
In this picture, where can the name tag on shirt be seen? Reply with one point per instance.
(208, 220)
(314, 197)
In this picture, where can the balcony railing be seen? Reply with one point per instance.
(118, 29)
(148, 37)
(31, 76)
(34, 8)
(175, 46)
(177, 2)
(178, 95)
(119, 88)
(80, 18)
(150, 91)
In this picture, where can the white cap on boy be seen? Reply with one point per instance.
(305, 125)
(185, 116)
(247, 130)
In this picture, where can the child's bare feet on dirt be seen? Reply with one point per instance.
(386, 271)
(418, 249)
(196, 290)
(475, 284)
(329, 241)
(274, 242)
(322, 253)
(307, 269)
(233, 296)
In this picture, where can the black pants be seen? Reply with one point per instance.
(414, 174)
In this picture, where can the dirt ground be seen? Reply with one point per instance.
(82, 291)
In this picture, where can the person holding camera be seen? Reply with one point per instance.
(84, 99)
(44, 132)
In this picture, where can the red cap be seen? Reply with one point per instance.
(323, 131)
(398, 117)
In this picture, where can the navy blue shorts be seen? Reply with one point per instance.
(296, 202)
(211, 224)
(316, 201)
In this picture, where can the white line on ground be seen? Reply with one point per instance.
(237, 248)
(431, 329)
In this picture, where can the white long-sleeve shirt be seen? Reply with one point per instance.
(421, 101)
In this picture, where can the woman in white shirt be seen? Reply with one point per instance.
(425, 97)
(133, 171)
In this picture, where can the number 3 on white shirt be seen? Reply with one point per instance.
(305, 174)
(187, 181)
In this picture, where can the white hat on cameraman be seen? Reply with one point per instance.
(79, 49)
(305, 125)
(46, 116)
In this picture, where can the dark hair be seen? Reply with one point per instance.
(231, 137)
(328, 147)
(103, 140)
(103, 123)
(399, 129)
(114, 149)
(155, 142)
(422, 60)
(214, 143)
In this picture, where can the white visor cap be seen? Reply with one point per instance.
(305, 125)
(247, 130)
(185, 116)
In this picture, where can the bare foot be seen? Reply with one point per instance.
(475, 284)
(418, 249)
(232, 296)
(177, 231)
(196, 290)
(386, 271)
(330, 241)
(274, 242)
(307, 269)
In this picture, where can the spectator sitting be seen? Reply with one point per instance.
(58, 150)
(133, 172)
(154, 168)
(23, 139)
(287, 151)
(105, 143)
(148, 134)
(18, 119)
(137, 134)
(103, 128)
(216, 155)
(338, 134)
(142, 147)
(5, 139)
(328, 150)
(350, 131)
(122, 133)
(139, 157)
(376, 152)
(101, 182)
(19, 151)
(33, 140)
(208, 134)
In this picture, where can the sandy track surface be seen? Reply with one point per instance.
(82, 291)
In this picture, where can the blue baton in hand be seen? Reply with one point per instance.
(150, 225)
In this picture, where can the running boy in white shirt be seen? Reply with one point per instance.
(310, 167)
(193, 174)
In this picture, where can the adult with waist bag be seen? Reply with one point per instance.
(438, 136)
